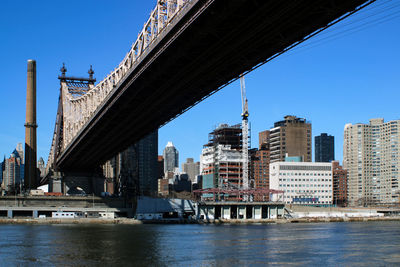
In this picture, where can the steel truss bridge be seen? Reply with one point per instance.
(186, 51)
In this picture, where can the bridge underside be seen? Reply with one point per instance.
(211, 44)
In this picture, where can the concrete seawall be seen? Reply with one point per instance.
(126, 221)
(68, 221)
(300, 220)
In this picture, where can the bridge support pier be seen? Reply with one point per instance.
(73, 182)
(91, 183)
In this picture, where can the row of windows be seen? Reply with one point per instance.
(305, 174)
(305, 185)
(295, 196)
(308, 191)
(304, 180)
(317, 202)
(305, 168)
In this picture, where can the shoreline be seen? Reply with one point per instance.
(128, 221)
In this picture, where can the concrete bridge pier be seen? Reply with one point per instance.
(91, 183)
(73, 182)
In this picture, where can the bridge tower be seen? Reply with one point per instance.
(61, 181)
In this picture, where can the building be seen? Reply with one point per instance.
(223, 165)
(259, 163)
(263, 139)
(2, 169)
(324, 148)
(182, 183)
(371, 157)
(306, 183)
(135, 170)
(191, 168)
(339, 184)
(291, 136)
(20, 150)
(147, 156)
(41, 166)
(163, 187)
(12, 173)
(260, 160)
(160, 167)
(171, 157)
(221, 158)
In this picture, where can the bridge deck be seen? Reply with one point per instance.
(209, 45)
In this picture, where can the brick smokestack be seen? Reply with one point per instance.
(30, 175)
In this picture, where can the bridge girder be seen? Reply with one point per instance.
(202, 47)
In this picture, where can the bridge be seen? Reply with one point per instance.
(186, 51)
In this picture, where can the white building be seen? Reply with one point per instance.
(224, 161)
(67, 214)
(303, 182)
(371, 157)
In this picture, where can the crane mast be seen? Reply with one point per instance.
(245, 135)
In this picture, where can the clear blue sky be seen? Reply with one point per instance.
(331, 81)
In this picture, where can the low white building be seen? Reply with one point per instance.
(307, 183)
(66, 214)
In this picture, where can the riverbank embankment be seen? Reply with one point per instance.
(68, 221)
(301, 220)
(129, 221)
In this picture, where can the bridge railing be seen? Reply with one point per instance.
(78, 110)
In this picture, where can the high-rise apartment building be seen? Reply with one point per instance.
(371, 157)
(324, 148)
(339, 184)
(191, 168)
(290, 137)
(171, 158)
(12, 173)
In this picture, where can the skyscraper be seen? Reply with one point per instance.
(147, 154)
(41, 166)
(134, 171)
(371, 157)
(324, 148)
(20, 150)
(191, 168)
(171, 158)
(290, 137)
(12, 173)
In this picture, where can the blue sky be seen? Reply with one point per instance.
(332, 80)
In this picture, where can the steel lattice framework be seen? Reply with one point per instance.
(78, 101)
(186, 51)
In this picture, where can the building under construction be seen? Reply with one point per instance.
(221, 159)
(226, 135)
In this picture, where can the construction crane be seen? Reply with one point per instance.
(245, 135)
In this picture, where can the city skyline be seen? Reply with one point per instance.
(304, 82)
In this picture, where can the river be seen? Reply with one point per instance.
(315, 244)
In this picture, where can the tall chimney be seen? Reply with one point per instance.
(30, 128)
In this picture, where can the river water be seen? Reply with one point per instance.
(331, 244)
